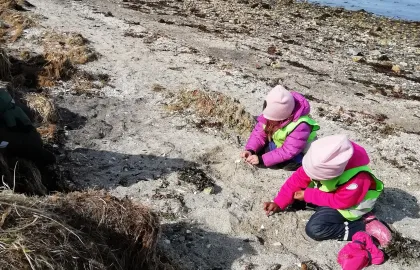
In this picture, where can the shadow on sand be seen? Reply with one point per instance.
(191, 247)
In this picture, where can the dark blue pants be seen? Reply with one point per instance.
(328, 223)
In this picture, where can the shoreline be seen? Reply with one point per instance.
(333, 5)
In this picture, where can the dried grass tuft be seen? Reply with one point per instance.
(81, 230)
(14, 20)
(63, 52)
(86, 83)
(42, 107)
(215, 105)
(48, 132)
(57, 68)
(73, 45)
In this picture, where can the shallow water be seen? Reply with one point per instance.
(400, 9)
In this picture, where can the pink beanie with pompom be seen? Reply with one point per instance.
(327, 157)
(280, 104)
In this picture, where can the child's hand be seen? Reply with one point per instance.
(253, 160)
(245, 154)
(299, 195)
(271, 208)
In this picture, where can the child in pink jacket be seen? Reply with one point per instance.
(283, 130)
(335, 177)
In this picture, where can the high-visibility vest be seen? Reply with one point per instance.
(368, 202)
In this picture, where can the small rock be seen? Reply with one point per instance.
(396, 69)
(208, 190)
(383, 57)
(383, 42)
(254, 5)
(403, 64)
(208, 246)
(188, 231)
(355, 52)
(209, 60)
(167, 241)
(268, 61)
(375, 52)
(265, 5)
(274, 267)
(258, 66)
(227, 204)
(249, 266)
(272, 50)
(240, 248)
(275, 64)
(261, 240)
(359, 59)
(323, 16)
(109, 14)
(397, 89)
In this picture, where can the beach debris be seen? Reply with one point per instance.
(272, 50)
(208, 190)
(275, 64)
(197, 177)
(274, 267)
(359, 59)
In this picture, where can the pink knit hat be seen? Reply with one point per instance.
(280, 104)
(327, 157)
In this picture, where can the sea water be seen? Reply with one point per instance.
(399, 9)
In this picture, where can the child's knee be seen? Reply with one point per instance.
(315, 231)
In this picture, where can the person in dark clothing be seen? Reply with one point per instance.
(26, 144)
(18, 137)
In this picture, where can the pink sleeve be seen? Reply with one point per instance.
(257, 139)
(294, 144)
(297, 181)
(348, 195)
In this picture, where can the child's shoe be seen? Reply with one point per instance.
(377, 229)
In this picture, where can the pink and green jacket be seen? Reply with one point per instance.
(348, 195)
(294, 143)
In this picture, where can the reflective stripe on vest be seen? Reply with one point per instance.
(355, 212)
(280, 135)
